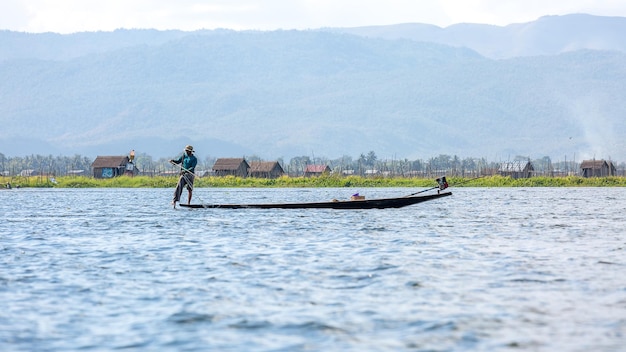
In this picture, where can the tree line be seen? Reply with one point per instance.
(367, 164)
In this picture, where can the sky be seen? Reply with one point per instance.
(71, 16)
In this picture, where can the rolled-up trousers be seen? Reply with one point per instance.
(185, 180)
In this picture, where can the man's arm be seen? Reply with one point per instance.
(177, 161)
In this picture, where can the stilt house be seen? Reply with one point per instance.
(265, 169)
(597, 168)
(316, 170)
(516, 169)
(231, 166)
(112, 166)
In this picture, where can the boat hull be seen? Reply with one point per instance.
(382, 203)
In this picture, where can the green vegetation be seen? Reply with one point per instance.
(542, 181)
(313, 182)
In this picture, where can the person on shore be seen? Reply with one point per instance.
(187, 163)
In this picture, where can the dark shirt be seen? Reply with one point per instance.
(189, 162)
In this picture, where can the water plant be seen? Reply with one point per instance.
(312, 182)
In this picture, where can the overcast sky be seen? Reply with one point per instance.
(68, 16)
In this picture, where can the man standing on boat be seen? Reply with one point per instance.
(187, 163)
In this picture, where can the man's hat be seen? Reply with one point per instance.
(189, 148)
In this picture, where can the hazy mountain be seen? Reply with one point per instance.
(323, 93)
(548, 35)
(54, 46)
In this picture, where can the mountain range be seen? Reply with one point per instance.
(553, 87)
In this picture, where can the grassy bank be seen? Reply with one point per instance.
(329, 181)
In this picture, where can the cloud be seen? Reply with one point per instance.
(499, 12)
(13, 15)
(66, 16)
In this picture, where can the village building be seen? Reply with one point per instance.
(316, 170)
(204, 173)
(169, 173)
(231, 166)
(597, 168)
(516, 169)
(265, 169)
(372, 173)
(29, 172)
(77, 172)
(112, 166)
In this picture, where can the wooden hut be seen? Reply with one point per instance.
(372, 173)
(597, 168)
(516, 169)
(77, 172)
(29, 172)
(316, 170)
(112, 166)
(231, 166)
(265, 169)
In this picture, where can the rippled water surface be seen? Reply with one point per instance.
(530, 269)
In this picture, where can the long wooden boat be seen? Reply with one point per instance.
(381, 203)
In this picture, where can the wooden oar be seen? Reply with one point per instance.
(182, 168)
(442, 184)
(426, 190)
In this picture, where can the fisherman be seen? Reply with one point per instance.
(443, 184)
(187, 163)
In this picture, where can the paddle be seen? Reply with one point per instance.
(426, 190)
(184, 169)
(442, 184)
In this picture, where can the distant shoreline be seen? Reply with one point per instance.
(306, 182)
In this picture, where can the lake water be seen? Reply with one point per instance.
(521, 269)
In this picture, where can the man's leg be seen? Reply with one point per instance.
(190, 179)
(178, 191)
